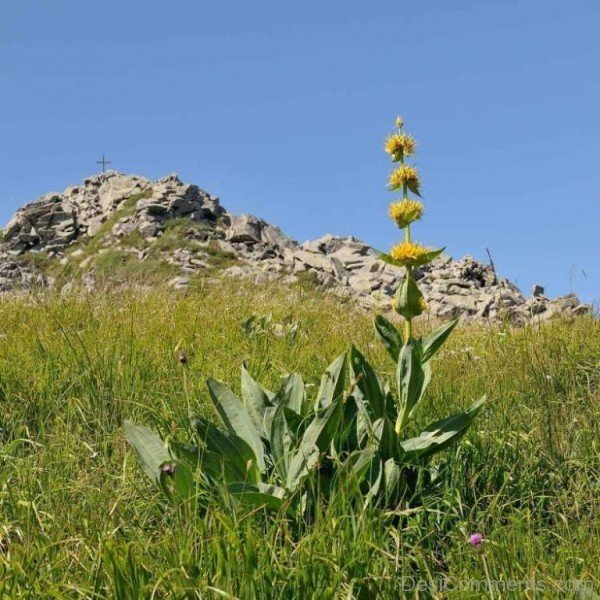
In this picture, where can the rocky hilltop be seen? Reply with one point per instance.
(114, 225)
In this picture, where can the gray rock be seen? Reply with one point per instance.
(244, 228)
(314, 260)
(273, 236)
(151, 207)
(179, 283)
(537, 290)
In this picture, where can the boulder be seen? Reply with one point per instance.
(244, 228)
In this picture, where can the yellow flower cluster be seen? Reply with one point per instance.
(400, 145)
(405, 175)
(406, 211)
(410, 254)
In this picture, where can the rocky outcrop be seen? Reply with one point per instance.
(165, 200)
(14, 273)
(54, 221)
(46, 224)
(112, 206)
(464, 288)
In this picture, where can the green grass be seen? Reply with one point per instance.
(174, 235)
(115, 267)
(219, 258)
(78, 519)
(133, 240)
(37, 260)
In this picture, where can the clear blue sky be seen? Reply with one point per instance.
(281, 108)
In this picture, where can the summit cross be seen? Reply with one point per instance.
(103, 162)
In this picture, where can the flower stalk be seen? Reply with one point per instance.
(409, 301)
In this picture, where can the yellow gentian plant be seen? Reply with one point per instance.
(411, 354)
(273, 450)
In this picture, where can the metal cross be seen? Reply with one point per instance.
(103, 162)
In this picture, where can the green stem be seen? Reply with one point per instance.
(407, 322)
(407, 329)
(487, 576)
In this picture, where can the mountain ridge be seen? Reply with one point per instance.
(184, 232)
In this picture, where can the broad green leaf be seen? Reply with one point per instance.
(391, 406)
(226, 454)
(280, 440)
(358, 466)
(150, 449)
(427, 258)
(332, 382)
(440, 434)
(390, 337)
(347, 438)
(187, 453)
(386, 439)
(410, 380)
(280, 398)
(255, 399)
(219, 467)
(386, 258)
(236, 418)
(426, 380)
(294, 386)
(260, 495)
(361, 461)
(364, 427)
(408, 300)
(367, 385)
(304, 461)
(268, 420)
(374, 478)
(393, 481)
(296, 422)
(323, 427)
(434, 341)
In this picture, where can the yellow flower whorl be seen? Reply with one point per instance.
(405, 175)
(409, 254)
(406, 211)
(400, 145)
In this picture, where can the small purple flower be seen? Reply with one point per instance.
(476, 539)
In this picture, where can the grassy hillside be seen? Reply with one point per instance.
(79, 520)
